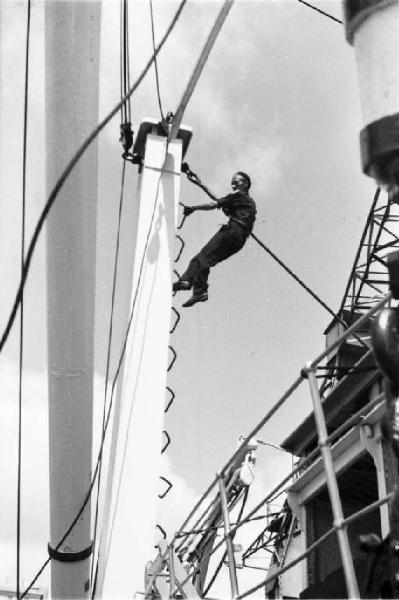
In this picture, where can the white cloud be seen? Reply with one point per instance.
(34, 475)
(177, 504)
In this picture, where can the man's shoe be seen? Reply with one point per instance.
(196, 298)
(181, 285)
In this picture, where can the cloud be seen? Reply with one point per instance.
(34, 469)
(34, 477)
(177, 504)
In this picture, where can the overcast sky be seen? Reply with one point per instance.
(277, 99)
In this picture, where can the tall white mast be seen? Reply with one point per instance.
(72, 74)
(136, 465)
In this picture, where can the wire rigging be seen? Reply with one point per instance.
(108, 360)
(271, 496)
(21, 329)
(193, 178)
(294, 276)
(156, 61)
(193, 80)
(25, 264)
(125, 133)
(115, 379)
(322, 12)
(67, 171)
(124, 62)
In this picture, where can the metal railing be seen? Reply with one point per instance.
(325, 441)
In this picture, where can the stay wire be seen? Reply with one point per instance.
(122, 58)
(156, 62)
(125, 116)
(125, 59)
(121, 357)
(67, 171)
(121, 53)
(319, 10)
(194, 179)
(124, 51)
(129, 116)
(297, 279)
(21, 330)
(109, 346)
(306, 287)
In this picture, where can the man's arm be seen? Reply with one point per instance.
(222, 203)
(190, 209)
(207, 206)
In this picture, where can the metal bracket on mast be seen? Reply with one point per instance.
(157, 128)
(69, 556)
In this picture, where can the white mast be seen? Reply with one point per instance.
(72, 65)
(136, 464)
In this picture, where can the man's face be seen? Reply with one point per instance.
(238, 182)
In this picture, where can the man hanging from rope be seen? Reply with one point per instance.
(241, 210)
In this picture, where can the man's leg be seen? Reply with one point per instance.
(197, 275)
(198, 269)
(227, 241)
(186, 280)
(200, 282)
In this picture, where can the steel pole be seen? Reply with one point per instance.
(325, 449)
(172, 574)
(229, 542)
(72, 82)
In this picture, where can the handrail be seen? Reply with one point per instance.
(310, 366)
(347, 333)
(254, 431)
(298, 559)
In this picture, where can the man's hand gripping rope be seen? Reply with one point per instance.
(187, 210)
(193, 177)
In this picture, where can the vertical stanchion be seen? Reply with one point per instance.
(172, 578)
(325, 450)
(229, 543)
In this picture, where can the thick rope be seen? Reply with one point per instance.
(191, 176)
(67, 171)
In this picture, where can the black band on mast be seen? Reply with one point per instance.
(70, 556)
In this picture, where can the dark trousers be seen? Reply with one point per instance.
(227, 241)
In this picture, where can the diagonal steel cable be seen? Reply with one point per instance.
(21, 329)
(67, 171)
